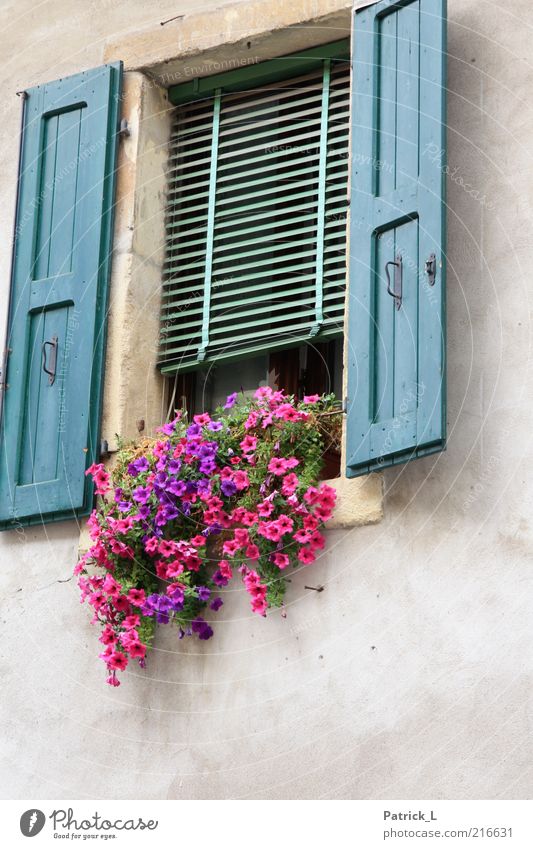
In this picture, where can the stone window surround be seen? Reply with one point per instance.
(226, 38)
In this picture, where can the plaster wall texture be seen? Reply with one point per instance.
(410, 675)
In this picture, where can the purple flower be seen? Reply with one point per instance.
(193, 431)
(216, 604)
(208, 449)
(171, 512)
(141, 494)
(160, 479)
(215, 426)
(204, 486)
(144, 511)
(168, 428)
(138, 466)
(118, 494)
(202, 628)
(124, 506)
(176, 487)
(161, 605)
(177, 602)
(219, 579)
(174, 466)
(207, 466)
(230, 401)
(203, 593)
(228, 488)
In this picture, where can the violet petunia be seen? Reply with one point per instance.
(230, 401)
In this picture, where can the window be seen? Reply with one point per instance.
(254, 284)
(256, 240)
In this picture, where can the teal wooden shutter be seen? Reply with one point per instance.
(396, 382)
(50, 424)
(256, 245)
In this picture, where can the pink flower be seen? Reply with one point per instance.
(248, 444)
(277, 465)
(310, 523)
(230, 547)
(287, 413)
(252, 552)
(322, 513)
(249, 518)
(269, 530)
(110, 586)
(311, 399)
(117, 660)
(327, 498)
(317, 541)
(285, 524)
(136, 649)
(100, 477)
(281, 560)
(151, 545)
(290, 484)
(311, 495)
(265, 509)
(305, 555)
(131, 621)
(258, 591)
(202, 419)
(242, 537)
(122, 604)
(259, 603)
(108, 637)
(225, 569)
(97, 600)
(302, 536)
(193, 563)
(200, 540)
(161, 569)
(241, 480)
(174, 568)
(137, 597)
(252, 420)
(167, 547)
(263, 392)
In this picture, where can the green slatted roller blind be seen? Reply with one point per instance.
(256, 241)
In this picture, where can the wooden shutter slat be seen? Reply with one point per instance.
(271, 171)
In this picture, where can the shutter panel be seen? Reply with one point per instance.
(396, 382)
(256, 220)
(50, 425)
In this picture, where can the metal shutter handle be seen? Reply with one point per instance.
(398, 280)
(52, 362)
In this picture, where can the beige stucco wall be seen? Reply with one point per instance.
(410, 675)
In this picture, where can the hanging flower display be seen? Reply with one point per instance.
(179, 515)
